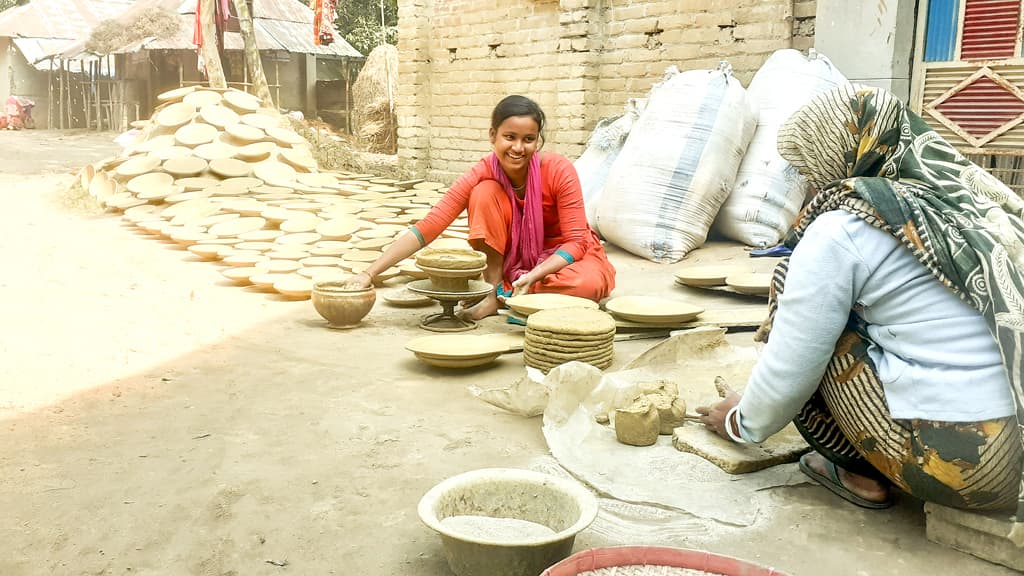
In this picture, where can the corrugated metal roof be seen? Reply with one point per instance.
(298, 37)
(67, 19)
(34, 49)
(285, 25)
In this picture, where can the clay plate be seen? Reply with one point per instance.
(713, 275)
(403, 298)
(456, 350)
(652, 309)
(527, 304)
(753, 284)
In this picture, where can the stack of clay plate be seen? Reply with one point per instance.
(652, 311)
(560, 335)
(456, 350)
(217, 174)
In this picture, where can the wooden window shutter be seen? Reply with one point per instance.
(990, 29)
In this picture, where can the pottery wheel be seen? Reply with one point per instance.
(447, 320)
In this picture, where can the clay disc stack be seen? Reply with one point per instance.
(560, 335)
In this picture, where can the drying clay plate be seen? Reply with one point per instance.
(714, 275)
(338, 229)
(176, 94)
(652, 309)
(275, 173)
(242, 101)
(184, 167)
(217, 115)
(137, 166)
(284, 136)
(200, 98)
(175, 115)
(261, 121)
(753, 284)
(230, 168)
(151, 181)
(246, 133)
(256, 151)
(404, 298)
(294, 287)
(527, 304)
(237, 226)
(455, 347)
(298, 159)
(240, 275)
(193, 135)
(215, 150)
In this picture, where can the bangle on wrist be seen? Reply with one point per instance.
(733, 415)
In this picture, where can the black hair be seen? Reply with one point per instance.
(516, 105)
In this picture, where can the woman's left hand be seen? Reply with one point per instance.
(522, 284)
(714, 416)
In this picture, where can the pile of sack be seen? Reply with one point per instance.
(699, 152)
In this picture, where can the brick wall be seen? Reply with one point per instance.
(579, 59)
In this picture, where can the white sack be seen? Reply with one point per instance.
(678, 164)
(594, 165)
(769, 192)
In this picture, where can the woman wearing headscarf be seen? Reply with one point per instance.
(897, 325)
(525, 213)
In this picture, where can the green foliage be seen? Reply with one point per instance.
(5, 4)
(359, 23)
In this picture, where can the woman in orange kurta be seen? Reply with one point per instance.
(525, 213)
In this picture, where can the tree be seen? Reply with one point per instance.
(211, 55)
(252, 54)
(359, 22)
(5, 4)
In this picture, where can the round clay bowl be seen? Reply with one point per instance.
(342, 305)
(563, 506)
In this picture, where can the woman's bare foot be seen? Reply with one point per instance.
(482, 309)
(867, 488)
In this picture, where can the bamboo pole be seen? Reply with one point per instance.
(49, 96)
(96, 88)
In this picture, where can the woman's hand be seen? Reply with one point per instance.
(363, 280)
(714, 416)
(522, 284)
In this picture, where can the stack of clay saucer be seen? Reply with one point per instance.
(226, 179)
(560, 335)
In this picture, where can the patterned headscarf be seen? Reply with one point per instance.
(871, 156)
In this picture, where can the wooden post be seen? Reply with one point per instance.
(348, 94)
(60, 96)
(49, 96)
(96, 94)
(84, 85)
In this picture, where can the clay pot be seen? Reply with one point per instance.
(341, 304)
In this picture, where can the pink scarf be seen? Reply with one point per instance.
(527, 234)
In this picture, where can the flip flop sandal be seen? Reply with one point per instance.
(833, 483)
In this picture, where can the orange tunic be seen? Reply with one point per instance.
(589, 273)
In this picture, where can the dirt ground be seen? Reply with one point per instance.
(156, 420)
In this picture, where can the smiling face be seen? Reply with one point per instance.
(515, 141)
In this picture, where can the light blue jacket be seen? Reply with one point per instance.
(935, 355)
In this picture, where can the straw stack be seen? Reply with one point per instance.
(560, 335)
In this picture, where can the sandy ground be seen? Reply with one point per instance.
(157, 421)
